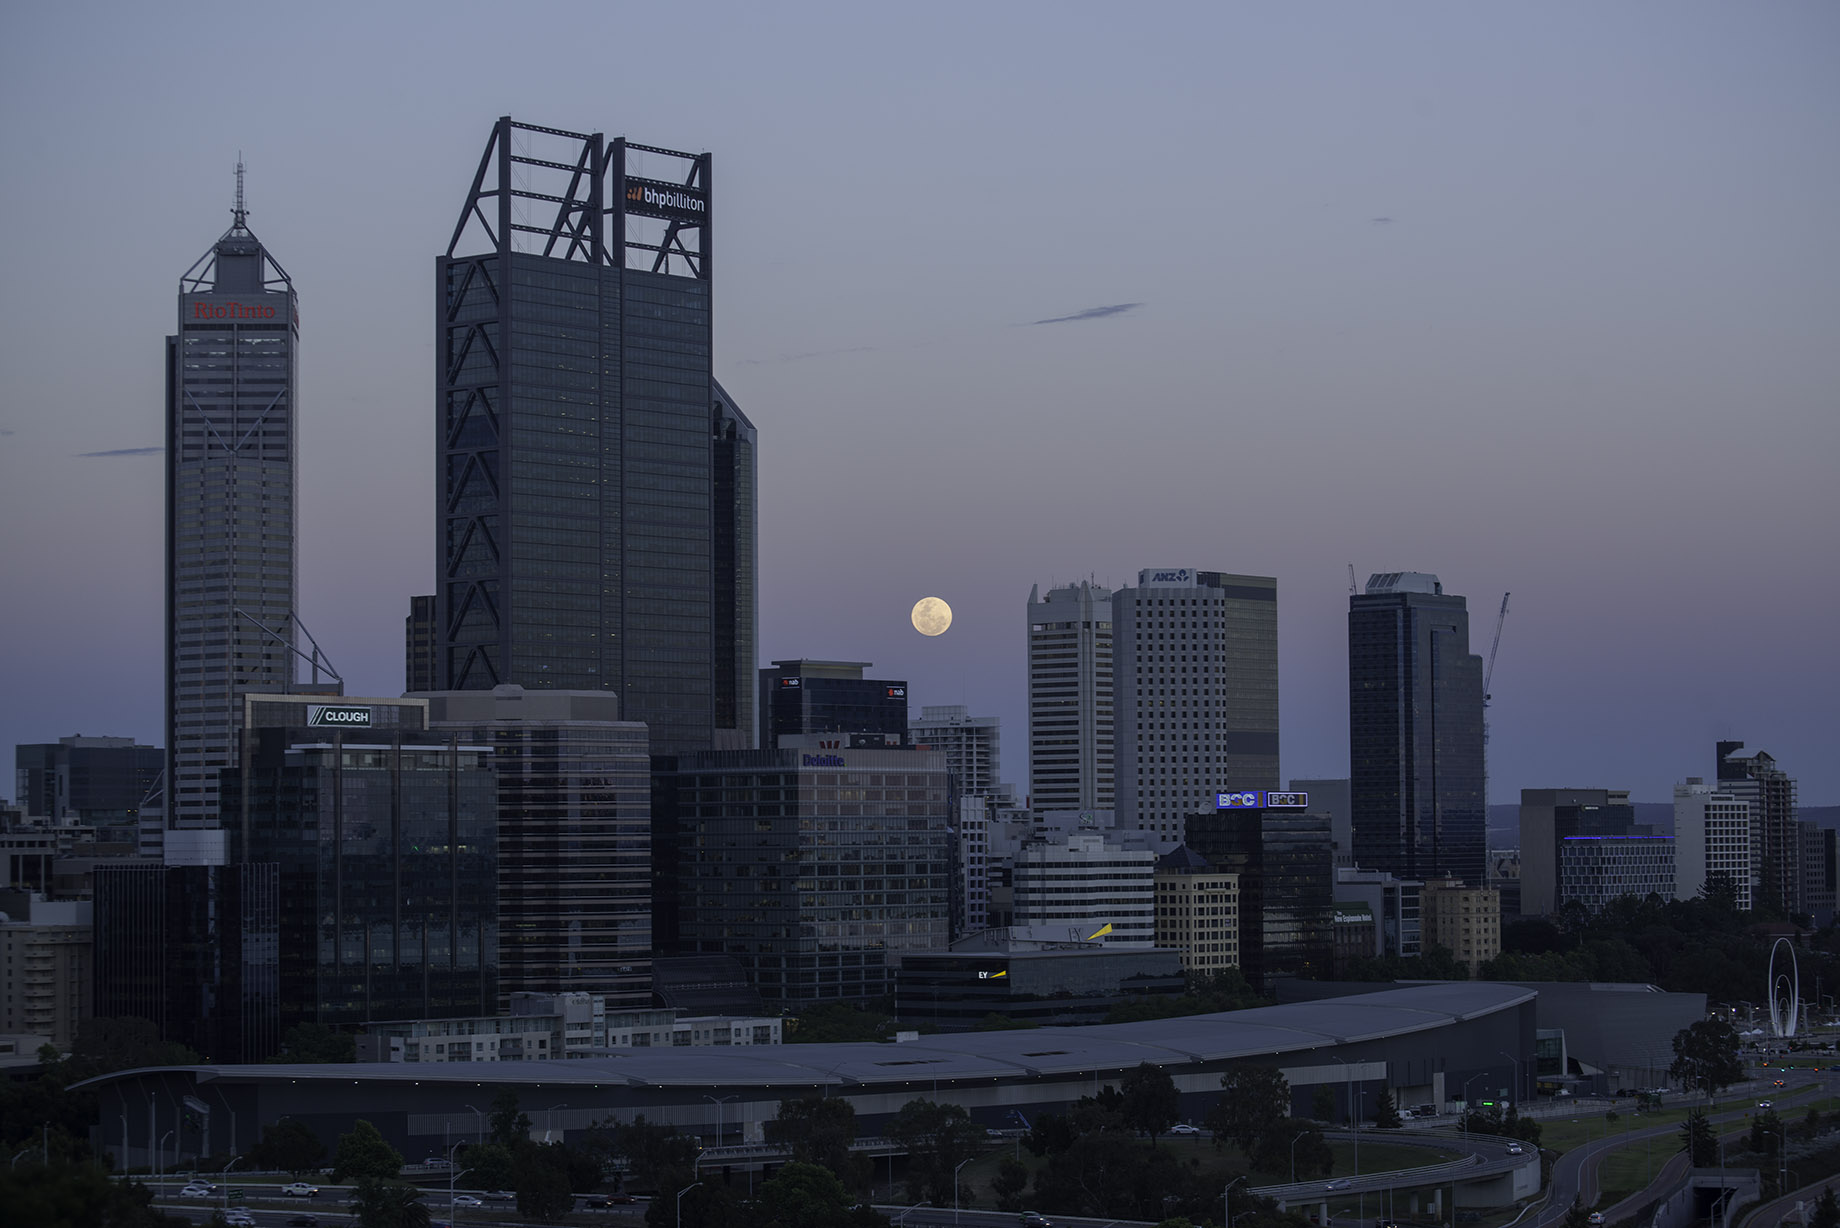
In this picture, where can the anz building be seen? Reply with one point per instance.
(597, 483)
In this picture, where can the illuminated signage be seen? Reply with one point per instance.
(990, 976)
(1180, 577)
(897, 692)
(202, 310)
(671, 200)
(1260, 799)
(832, 761)
(327, 715)
(789, 682)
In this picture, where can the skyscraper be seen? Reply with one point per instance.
(1070, 698)
(971, 744)
(1776, 859)
(597, 490)
(230, 487)
(1415, 731)
(806, 697)
(1197, 686)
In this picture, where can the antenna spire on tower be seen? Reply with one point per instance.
(239, 212)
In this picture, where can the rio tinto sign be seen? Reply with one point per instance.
(203, 309)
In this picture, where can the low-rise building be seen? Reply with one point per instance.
(1197, 912)
(544, 1027)
(1464, 920)
(45, 958)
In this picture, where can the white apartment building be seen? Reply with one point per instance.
(971, 745)
(1197, 912)
(1712, 836)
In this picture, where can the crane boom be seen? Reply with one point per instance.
(1488, 675)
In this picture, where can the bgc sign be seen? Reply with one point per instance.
(1261, 799)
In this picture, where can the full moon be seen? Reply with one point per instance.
(931, 616)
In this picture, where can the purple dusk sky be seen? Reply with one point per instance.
(1538, 297)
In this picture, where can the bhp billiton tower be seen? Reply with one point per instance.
(597, 486)
(230, 477)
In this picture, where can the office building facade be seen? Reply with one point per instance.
(1415, 731)
(100, 781)
(1196, 671)
(421, 646)
(194, 949)
(231, 439)
(1284, 858)
(1087, 888)
(1462, 919)
(1548, 818)
(829, 697)
(1594, 870)
(385, 836)
(972, 746)
(1197, 912)
(46, 948)
(574, 838)
(1071, 732)
(814, 869)
(597, 500)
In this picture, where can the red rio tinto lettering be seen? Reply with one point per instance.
(202, 310)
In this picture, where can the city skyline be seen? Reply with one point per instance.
(1532, 300)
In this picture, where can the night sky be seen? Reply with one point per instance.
(1538, 297)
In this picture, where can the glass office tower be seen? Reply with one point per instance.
(1415, 731)
(230, 489)
(597, 489)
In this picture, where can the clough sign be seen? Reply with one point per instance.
(652, 198)
(359, 718)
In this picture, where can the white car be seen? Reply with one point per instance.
(466, 1200)
(1514, 1149)
(195, 1190)
(241, 1219)
(1184, 1128)
(300, 1189)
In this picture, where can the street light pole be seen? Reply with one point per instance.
(680, 1202)
(961, 1164)
(482, 1124)
(549, 1120)
(1517, 1073)
(1294, 1143)
(719, 1101)
(1226, 1200)
(451, 1174)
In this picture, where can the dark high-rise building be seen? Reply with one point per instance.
(421, 646)
(195, 950)
(1415, 731)
(385, 838)
(574, 839)
(86, 780)
(814, 868)
(819, 697)
(1550, 817)
(1776, 853)
(231, 435)
(596, 519)
(1285, 860)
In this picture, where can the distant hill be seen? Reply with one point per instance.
(1505, 820)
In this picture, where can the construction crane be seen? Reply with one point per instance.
(1489, 673)
(1351, 587)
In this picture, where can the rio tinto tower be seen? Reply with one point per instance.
(231, 437)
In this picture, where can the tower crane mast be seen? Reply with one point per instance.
(1489, 673)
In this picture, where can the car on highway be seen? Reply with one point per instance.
(1184, 1128)
(239, 1219)
(303, 1221)
(300, 1189)
(1764, 1104)
(467, 1200)
(1779, 1083)
(608, 1201)
(1515, 1149)
(500, 1196)
(1597, 1219)
(197, 1189)
(1033, 1219)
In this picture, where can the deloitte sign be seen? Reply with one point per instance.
(349, 717)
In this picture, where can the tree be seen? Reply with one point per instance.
(1766, 1133)
(1012, 1179)
(937, 1137)
(508, 1125)
(807, 1196)
(541, 1179)
(365, 1153)
(818, 1129)
(1151, 1102)
(1307, 1144)
(829, 1022)
(289, 1146)
(1696, 1139)
(1254, 1101)
(1577, 1216)
(379, 1203)
(493, 1167)
(75, 1195)
(1386, 1111)
(654, 1154)
(1826, 1211)
(1049, 1134)
(1706, 1056)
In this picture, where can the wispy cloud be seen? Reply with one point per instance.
(1091, 313)
(126, 452)
(6, 430)
(762, 362)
